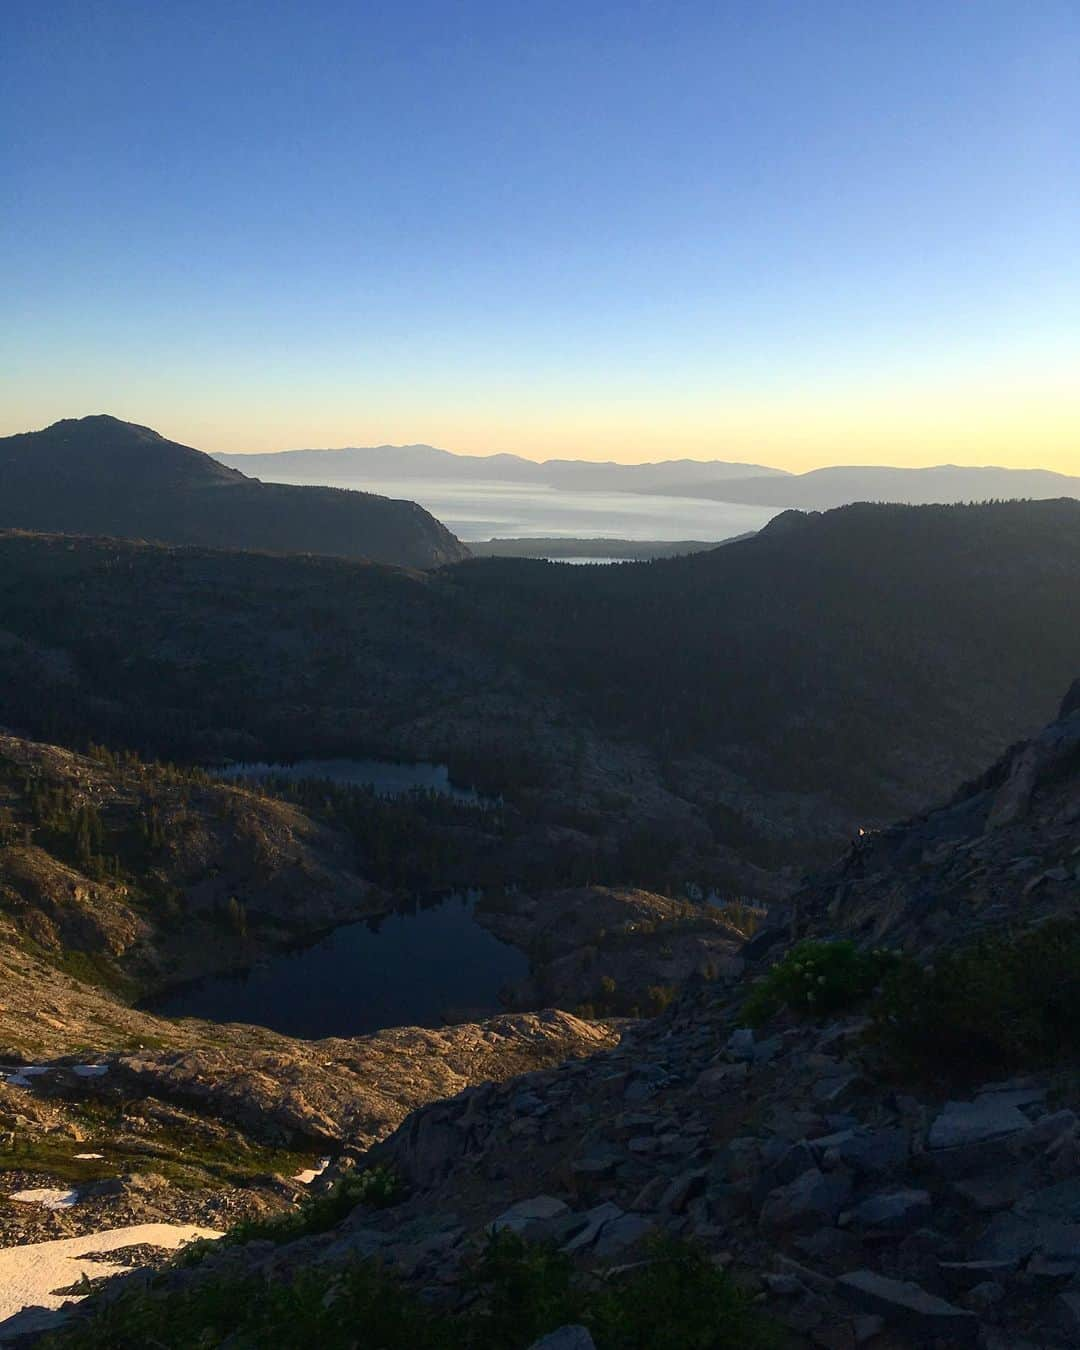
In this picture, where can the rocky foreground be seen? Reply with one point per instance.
(863, 1207)
(864, 1215)
(244, 1089)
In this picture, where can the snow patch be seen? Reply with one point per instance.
(28, 1275)
(85, 1157)
(46, 1196)
(308, 1174)
(21, 1077)
(90, 1070)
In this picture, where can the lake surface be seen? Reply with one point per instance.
(405, 969)
(492, 509)
(385, 777)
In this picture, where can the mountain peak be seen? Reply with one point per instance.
(106, 422)
(102, 475)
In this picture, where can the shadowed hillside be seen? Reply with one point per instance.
(98, 475)
(870, 652)
(772, 695)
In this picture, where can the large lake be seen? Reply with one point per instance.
(415, 967)
(488, 510)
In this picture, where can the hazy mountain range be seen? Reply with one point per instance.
(99, 475)
(358, 463)
(751, 484)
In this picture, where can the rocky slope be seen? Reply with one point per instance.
(866, 1207)
(101, 476)
(118, 877)
(611, 949)
(211, 1121)
(1004, 851)
(864, 1215)
(141, 875)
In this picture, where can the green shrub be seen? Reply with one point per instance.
(679, 1301)
(527, 1289)
(816, 978)
(379, 1187)
(518, 1292)
(1000, 1005)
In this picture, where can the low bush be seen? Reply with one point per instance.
(1003, 1004)
(379, 1187)
(816, 978)
(677, 1301)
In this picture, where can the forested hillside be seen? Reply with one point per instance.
(871, 651)
(835, 670)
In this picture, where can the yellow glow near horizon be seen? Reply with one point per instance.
(1013, 424)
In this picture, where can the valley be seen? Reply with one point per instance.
(331, 891)
(867, 1179)
(612, 884)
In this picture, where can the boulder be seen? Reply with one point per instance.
(740, 1044)
(967, 1274)
(811, 1200)
(565, 1338)
(595, 1219)
(1060, 1201)
(908, 1307)
(518, 1217)
(962, 1124)
(892, 1211)
(681, 1190)
(871, 1153)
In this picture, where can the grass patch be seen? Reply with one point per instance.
(186, 1158)
(95, 969)
(678, 1301)
(1001, 1005)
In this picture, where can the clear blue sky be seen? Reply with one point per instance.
(801, 232)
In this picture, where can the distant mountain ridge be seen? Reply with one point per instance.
(101, 476)
(720, 480)
(943, 484)
(357, 463)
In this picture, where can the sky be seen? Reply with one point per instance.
(796, 233)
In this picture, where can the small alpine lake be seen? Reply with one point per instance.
(386, 777)
(424, 964)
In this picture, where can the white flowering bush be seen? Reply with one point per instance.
(817, 977)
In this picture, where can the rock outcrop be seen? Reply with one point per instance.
(613, 949)
(1004, 850)
(175, 874)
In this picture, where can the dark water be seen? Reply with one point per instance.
(383, 776)
(405, 969)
